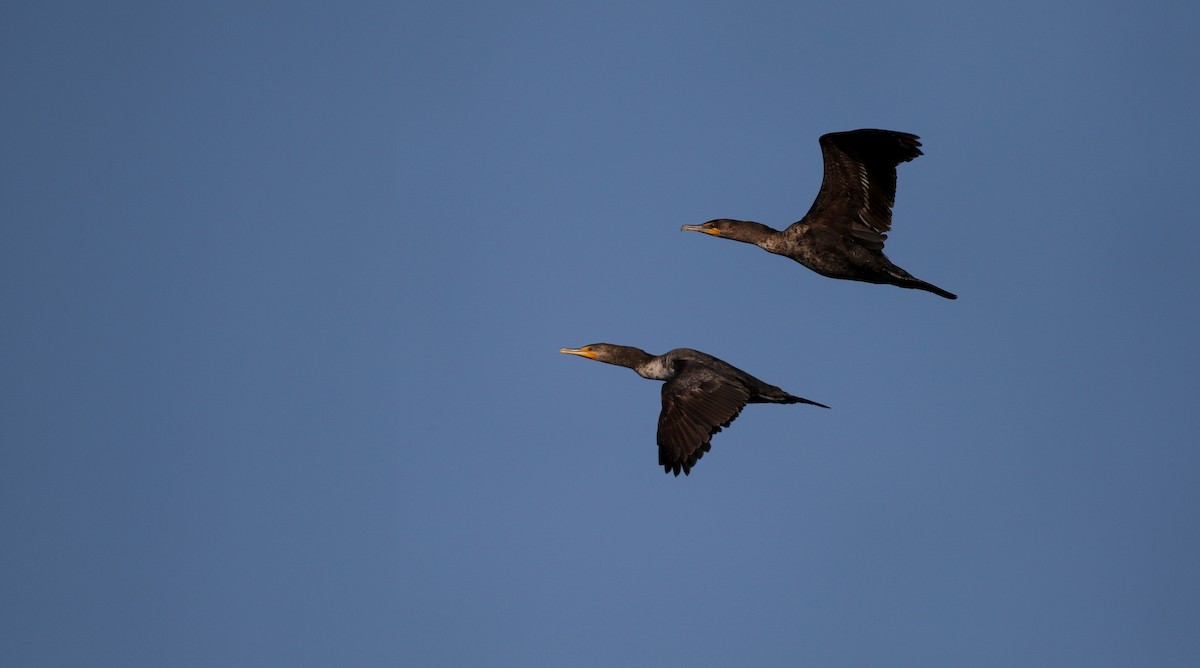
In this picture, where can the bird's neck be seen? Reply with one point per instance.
(751, 232)
(628, 356)
(642, 362)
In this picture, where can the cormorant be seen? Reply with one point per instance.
(842, 235)
(702, 394)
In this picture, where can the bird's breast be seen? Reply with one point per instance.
(656, 369)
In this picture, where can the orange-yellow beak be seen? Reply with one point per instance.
(585, 351)
(700, 228)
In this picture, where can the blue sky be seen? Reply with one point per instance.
(284, 285)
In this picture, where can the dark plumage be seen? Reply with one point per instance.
(842, 235)
(701, 395)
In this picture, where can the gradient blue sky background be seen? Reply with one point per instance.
(283, 286)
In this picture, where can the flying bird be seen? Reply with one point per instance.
(701, 395)
(843, 233)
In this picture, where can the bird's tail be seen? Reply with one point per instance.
(930, 287)
(793, 399)
(904, 279)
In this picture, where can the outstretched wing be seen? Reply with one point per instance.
(696, 404)
(859, 187)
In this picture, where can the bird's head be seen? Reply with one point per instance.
(589, 351)
(718, 228)
(746, 231)
(627, 356)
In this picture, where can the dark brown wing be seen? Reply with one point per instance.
(696, 404)
(859, 187)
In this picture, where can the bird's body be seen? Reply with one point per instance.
(843, 233)
(701, 395)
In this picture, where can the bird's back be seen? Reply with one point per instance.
(698, 367)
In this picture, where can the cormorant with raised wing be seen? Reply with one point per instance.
(701, 395)
(843, 233)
